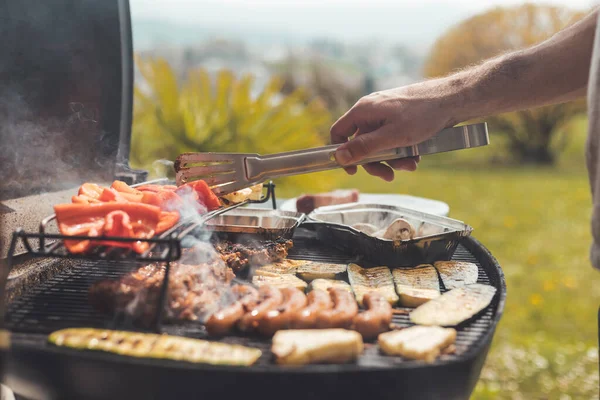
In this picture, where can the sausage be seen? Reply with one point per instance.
(343, 312)
(306, 318)
(281, 318)
(222, 321)
(269, 298)
(376, 319)
(308, 202)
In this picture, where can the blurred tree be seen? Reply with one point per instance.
(535, 135)
(322, 81)
(201, 114)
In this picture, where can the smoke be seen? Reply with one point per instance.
(164, 169)
(60, 94)
(199, 282)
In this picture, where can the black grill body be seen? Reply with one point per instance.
(60, 301)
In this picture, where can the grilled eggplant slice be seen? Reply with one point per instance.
(280, 281)
(325, 284)
(282, 267)
(312, 270)
(455, 306)
(456, 274)
(150, 345)
(379, 279)
(416, 286)
(417, 342)
(311, 346)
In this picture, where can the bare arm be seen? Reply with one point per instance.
(552, 72)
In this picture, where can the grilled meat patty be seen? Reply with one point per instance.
(239, 256)
(192, 292)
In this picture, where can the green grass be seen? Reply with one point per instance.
(536, 222)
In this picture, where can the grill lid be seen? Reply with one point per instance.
(66, 78)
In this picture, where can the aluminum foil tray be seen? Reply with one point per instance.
(255, 223)
(436, 237)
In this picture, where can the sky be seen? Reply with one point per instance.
(350, 19)
(415, 23)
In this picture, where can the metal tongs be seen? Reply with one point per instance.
(230, 172)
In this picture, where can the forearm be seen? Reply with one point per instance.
(552, 72)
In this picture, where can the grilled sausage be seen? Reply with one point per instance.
(221, 322)
(269, 299)
(281, 318)
(318, 300)
(344, 310)
(376, 319)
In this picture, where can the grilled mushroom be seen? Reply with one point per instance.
(400, 229)
(369, 229)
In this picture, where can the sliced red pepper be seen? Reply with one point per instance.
(156, 188)
(168, 219)
(94, 219)
(91, 190)
(109, 194)
(166, 200)
(127, 191)
(205, 195)
(82, 198)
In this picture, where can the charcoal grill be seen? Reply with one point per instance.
(46, 289)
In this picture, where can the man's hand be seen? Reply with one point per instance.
(551, 72)
(384, 120)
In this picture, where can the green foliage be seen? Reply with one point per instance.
(204, 114)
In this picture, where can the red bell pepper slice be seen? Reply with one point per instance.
(91, 190)
(205, 195)
(168, 219)
(107, 219)
(156, 188)
(129, 193)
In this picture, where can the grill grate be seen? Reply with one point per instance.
(62, 302)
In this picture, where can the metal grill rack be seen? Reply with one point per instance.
(164, 248)
(62, 302)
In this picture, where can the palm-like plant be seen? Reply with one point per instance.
(221, 115)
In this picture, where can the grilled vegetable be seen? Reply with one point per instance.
(455, 306)
(417, 342)
(416, 286)
(312, 270)
(365, 280)
(278, 268)
(324, 284)
(456, 274)
(150, 345)
(307, 346)
(280, 281)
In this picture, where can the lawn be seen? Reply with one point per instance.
(536, 222)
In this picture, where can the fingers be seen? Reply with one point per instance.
(404, 164)
(386, 172)
(344, 127)
(366, 144)
(380, 170)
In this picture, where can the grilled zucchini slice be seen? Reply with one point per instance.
(280, 281)
(416, 286)
(455, 306)
(325, 284)
(378, 279)
(456, 274)
(283, 267)
(151, 345)
(312, 270)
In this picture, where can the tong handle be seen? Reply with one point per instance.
(322, 158)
